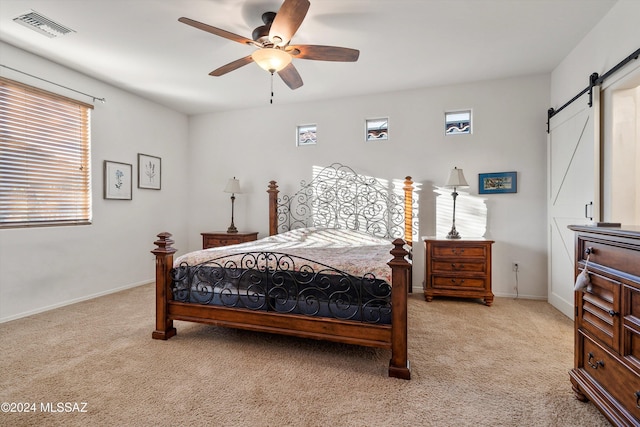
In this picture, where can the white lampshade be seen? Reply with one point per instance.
(456, 179)
(271, 59)
(233, 186)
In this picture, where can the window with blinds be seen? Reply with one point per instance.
(44, 158)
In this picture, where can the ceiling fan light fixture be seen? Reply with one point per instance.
(271, 59)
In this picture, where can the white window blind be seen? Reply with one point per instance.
(44, 158)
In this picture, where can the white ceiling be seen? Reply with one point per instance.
(140, 46)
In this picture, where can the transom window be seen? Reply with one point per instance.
(44, 158)
(457, 122)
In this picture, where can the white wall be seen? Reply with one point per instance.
(258, 145)
(41, 268)
(615, 37)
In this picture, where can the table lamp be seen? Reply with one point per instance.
(233, 187)
(456, 180)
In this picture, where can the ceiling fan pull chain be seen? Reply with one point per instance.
(271, 100)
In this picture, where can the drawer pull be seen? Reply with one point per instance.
(457, 251)
(637, 399)
(594, 365)
(613, 313)
(457, 267)
(454, 282)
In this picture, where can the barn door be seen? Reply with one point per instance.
(574, 186)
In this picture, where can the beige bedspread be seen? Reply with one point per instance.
(353, 252)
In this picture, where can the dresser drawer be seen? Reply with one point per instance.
(632, 304)
(458, 283)
(632, 348)
(621, 382)
(631, 320)
(461, 251)
(612, 256)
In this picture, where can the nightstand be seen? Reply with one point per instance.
(458, 268)
(216, 239)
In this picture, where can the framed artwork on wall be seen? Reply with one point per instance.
(117, 180)
(377, 129)
(306, 135)
(498, 182)
(149, 171)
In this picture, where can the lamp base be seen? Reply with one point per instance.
(453, 234)
(232, 229)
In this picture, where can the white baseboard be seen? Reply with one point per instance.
(500, 294)
(73, 301)
(520, 296)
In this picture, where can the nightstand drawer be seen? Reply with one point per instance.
(466, 251)
(217, 239)
(455, 266)
(458, 283)
(212, 242)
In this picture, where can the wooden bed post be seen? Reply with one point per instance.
(408, 210)
(164, 262)
(399, 366)
(273, 208)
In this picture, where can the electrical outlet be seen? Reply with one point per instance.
(515, 266)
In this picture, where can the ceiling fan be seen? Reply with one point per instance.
(274, 53)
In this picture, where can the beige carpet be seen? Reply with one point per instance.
(472, 365)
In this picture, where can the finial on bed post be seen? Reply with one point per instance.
(164, 262)
(273, 208)
(399, 366)
(408, 210)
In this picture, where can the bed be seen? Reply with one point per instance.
(336, 266)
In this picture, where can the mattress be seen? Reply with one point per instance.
(353, 252)
(314, 272)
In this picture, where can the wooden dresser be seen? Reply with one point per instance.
(214, 239)
(607, 324)
(458, 268)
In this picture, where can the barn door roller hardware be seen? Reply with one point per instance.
(594, 80)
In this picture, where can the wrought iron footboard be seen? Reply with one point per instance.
(283, 283)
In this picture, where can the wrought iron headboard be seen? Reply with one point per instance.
(338, 197)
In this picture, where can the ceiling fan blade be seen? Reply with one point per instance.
(324, 53)
(290, 76)
(287, 21)
(231, 66)
(218, 31)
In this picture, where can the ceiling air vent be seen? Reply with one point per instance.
(42, 24)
